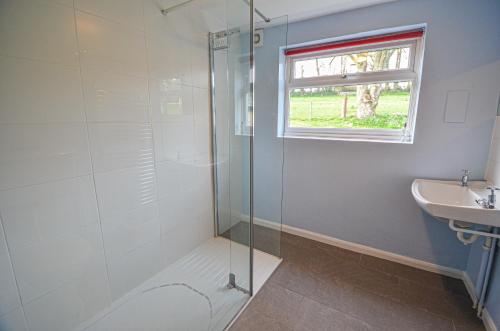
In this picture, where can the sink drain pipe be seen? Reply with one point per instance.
(467, 241)
(462, 230)
(485, 253)
(491, 243)
(487, 274)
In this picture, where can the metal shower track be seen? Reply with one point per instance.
(185, 3)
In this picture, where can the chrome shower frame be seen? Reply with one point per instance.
(170, 9)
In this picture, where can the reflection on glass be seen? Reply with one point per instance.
(373, 61)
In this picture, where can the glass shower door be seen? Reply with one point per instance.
(240, 99)
(232, 100)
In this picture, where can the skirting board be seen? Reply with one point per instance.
(469, 286)
(363, 249)
(488, 321)
(375, 252)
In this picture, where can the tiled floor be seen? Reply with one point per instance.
(321, 287)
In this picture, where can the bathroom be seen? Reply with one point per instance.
(249, 165)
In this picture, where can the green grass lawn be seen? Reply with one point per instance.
(319, 111)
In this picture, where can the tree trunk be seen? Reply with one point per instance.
(368, 95)
(343, 114)
(363, 96)
(365, 102)
(398, 58)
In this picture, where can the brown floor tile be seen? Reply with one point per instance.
(255, 321)
(321, 287)
(315, 316)
(413, 274)
(478, 327)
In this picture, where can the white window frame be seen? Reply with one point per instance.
(411, 74)
(243, 99)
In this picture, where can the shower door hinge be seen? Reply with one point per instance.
(232, 284)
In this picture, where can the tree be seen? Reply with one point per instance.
(368, 95)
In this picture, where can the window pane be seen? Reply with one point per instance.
(373, 106)
(328, 65)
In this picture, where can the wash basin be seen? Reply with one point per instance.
(450, 200)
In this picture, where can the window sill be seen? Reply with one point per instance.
(389, 139)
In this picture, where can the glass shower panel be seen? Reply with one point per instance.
(232, 98)
(268, 146)
(241, 108)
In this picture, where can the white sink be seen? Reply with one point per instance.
(450, 200)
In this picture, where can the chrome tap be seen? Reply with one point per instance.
(492, 198)
(465, 177)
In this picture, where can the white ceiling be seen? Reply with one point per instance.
(298, 10)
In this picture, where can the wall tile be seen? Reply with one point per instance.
(169, 58)
(180, 187)
(38, 30)
(176, 184)
(36, 153)
(208, 16)
(117, 146)
(13, 321)
(171, 176)
(495, 150)
(174, 141)
(128, 12)
(157, 24)
(184, 238)
(173, 121)
(493, 166)
(106, 45)
(202, 126)
(120, 192)
(9, 296)
(115, 97)
(68, 3)
(43, 212)
(200, 66)
(130, 223)
(53, 233)
(73, 302)
(129, 271)
(33, 91)
(170, 102)
(130, 231)
(62, 282)
(496, 131)
(493, 172)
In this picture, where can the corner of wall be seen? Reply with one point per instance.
(492, 174)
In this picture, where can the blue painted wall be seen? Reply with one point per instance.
(493, 298)
(493, 294)
(360, 191)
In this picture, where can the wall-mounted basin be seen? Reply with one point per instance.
(450, 200)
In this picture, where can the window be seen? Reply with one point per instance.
(354, 89)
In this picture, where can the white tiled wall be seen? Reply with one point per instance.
(493, 167)
(104, 152)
